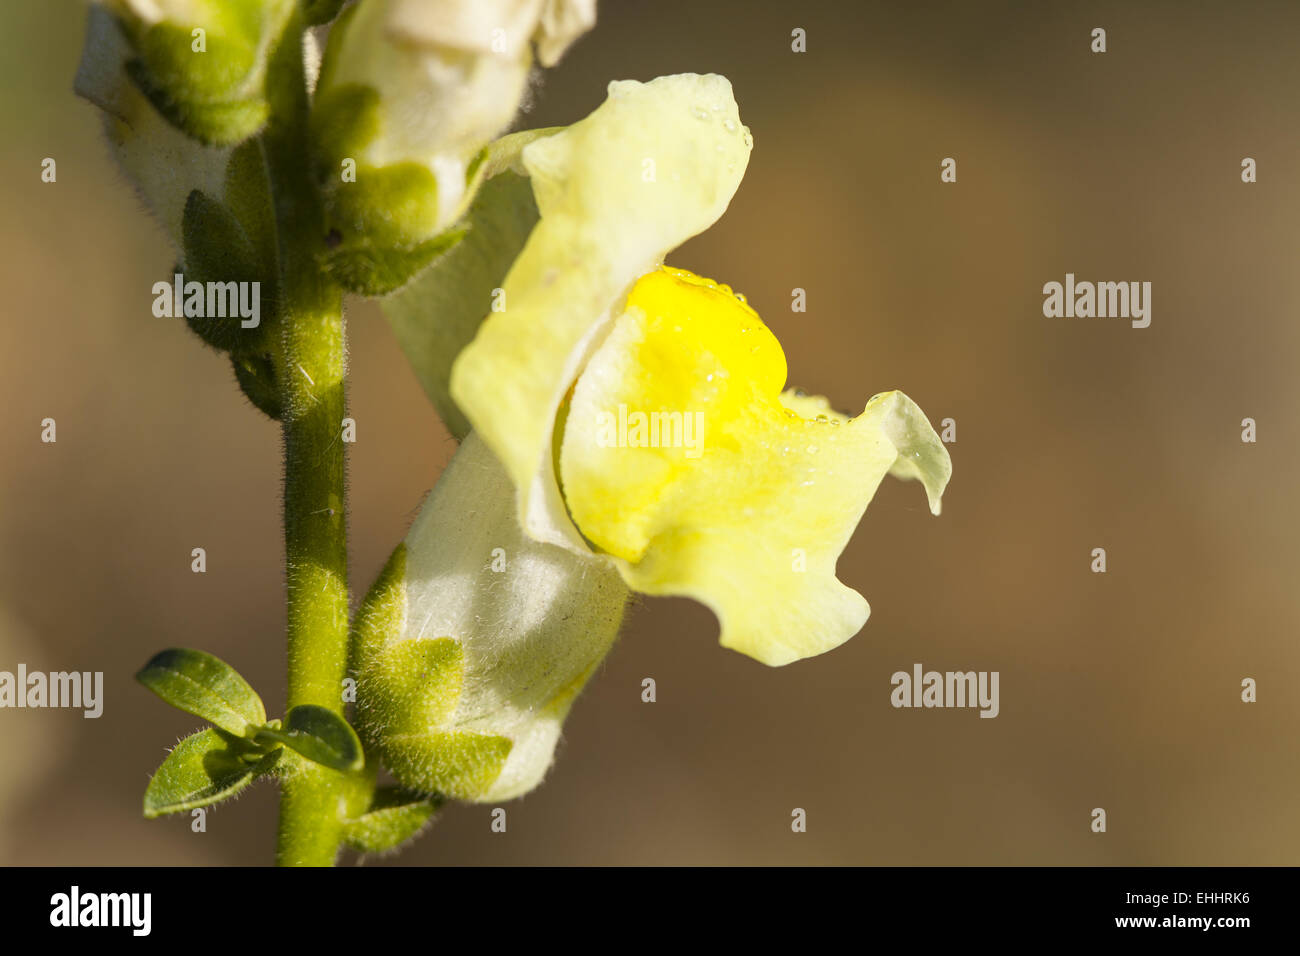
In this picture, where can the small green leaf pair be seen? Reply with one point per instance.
(215, 764)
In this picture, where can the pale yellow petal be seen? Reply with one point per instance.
(684, 461)
(657, 163)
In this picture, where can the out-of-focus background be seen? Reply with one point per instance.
(1118, 690)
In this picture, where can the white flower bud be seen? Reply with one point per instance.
(408, 96)
(203, 63)
(162, 163)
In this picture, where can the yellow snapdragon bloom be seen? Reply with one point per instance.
(641, 411)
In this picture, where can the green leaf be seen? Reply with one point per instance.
(248, 195)
(395, 816)
(205, 686)
(217, 249)
(319, 735)
(202, 769)
(216, 246)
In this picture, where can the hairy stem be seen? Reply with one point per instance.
(311, 371)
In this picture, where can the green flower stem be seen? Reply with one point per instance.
(311, 371)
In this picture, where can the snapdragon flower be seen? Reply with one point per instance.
(752, 521)
(729, 488)
(410, 92)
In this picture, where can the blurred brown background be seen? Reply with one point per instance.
(1118, 691)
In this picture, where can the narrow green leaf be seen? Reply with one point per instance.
(248, 196)
(216, 245)
(203, 769)
(218, 250)
(319, 735)
(395, 816)
(205, 686)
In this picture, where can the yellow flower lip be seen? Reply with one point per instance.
(687, 462)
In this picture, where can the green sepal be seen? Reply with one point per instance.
(218, 249)
(205, 686)
(318, 734)
(203, 769)
(257, 380)
(217, 95)
(383, 228)
(213, 124)
(412, 685)
(396, 815)
(382, 613)
(371, 270)
(460, 764)
(344, 119)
